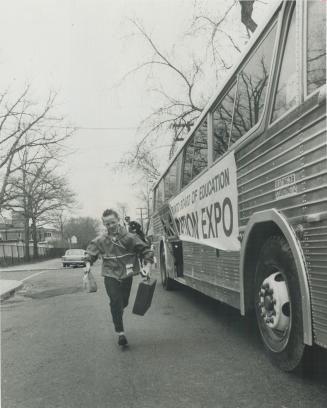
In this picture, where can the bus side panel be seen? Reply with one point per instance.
(315, 251)
(212, 272)
(286, 168)
(207, 270)
(314, 241)
(275, 170)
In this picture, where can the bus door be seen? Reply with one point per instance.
(172, 242)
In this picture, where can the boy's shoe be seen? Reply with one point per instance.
(122, 341)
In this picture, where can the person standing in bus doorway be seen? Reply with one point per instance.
(119, 250)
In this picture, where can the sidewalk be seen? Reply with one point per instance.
(9, 287)
(37, 266)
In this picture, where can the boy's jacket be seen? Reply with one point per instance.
(119, 251)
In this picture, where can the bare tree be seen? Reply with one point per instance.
(52, 195)
(83, 228)
(219, 35)
(122, 209)
(58, 219)
(24, 124)
(145, 197)
(141, 160)
(37, 192)
(223, 35)
(223, 38)
(177, 113)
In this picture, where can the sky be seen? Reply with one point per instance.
(82, 49)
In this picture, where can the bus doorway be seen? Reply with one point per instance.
(177, 247)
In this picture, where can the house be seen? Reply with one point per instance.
(12, 230)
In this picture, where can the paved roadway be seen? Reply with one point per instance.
(59, 351)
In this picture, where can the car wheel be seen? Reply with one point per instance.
(278, 304)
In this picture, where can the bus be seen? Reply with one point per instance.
(240, 213)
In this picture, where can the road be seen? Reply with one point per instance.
(59, 351)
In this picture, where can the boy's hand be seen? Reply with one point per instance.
(87, 267)
(148, 261)
(146, 270)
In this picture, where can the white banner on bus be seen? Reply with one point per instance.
(206, 212)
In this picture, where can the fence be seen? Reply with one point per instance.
(14, 253)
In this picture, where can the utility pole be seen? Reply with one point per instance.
(141, 216)
(123, 209)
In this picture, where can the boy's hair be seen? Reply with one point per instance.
(110, 211)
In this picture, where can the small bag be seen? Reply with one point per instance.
(144, 296)
(89, 283)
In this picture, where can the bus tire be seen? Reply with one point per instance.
(278, 304)
(167, 283)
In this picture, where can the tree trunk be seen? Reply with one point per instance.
(34, 235)
(62, 233)
(27, 239)
(4, 184)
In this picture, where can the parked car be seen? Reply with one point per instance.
(75, 257)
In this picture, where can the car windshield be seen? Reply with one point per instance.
(75, 252)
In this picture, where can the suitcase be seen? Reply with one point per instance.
(144, 296)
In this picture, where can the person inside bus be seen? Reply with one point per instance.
(136, 228)
(119, 250)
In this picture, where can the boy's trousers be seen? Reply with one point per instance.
(118, 292)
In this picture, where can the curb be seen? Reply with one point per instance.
(29, 270)
(10, 292)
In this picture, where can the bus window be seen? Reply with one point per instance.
(159, 194)
(170, 181)
(222, 119)
(316, 53)
(200, 160)
(287, 83)
(187, 170)
(154, 193)
(196, 154)
(252, 87)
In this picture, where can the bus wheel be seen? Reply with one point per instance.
(278, 304)
(167, 283)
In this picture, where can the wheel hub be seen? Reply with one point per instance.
(268, 303)
(274, 303)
